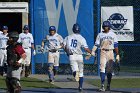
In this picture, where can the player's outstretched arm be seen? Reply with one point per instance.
(43, 44)
(93, 50)
(89, 53)
(87, 50)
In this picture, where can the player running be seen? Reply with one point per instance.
(54, 43)
(3, 55)
(72, 45)
(27, 41)
(107, 42)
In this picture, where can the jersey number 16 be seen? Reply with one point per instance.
(73, 43)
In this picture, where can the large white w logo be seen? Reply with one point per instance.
(70, 12)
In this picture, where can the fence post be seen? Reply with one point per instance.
(98, 31)
(32, 30)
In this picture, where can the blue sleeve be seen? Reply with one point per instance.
(115, 45)
(97, 45)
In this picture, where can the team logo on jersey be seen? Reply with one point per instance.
(117, 21)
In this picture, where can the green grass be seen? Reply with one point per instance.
(120, 83)
(29, 83)
(132, 69)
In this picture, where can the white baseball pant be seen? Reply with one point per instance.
(28, 56)
(76, 62)
(53, 57)
(3, 57)
(106, 61)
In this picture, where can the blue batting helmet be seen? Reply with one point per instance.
(5, 28)
(106, 24)
(52, 28)
(26, 27)
(76, 28)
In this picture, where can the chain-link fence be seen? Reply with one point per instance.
(129, 51)
(44, 12)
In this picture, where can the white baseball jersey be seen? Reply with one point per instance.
(3, 45)
(26, 40)
(0, 32)
(3, 40)
(55, 41)
(106, 40)
(74, 43)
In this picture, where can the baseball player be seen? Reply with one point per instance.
(15, 57)
(3, 54)
(72, 45)
(26, 39)
(107, 42)
(54, 43)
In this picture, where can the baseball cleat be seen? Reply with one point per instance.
(102, 89)
(80, 90)
(51, 81)
(108, 88)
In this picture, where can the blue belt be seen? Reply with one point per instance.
(107, 49)
(53, 51)
(3, 48)
(27, 47)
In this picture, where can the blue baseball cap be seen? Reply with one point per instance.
(26, 27)
(52, 28)
(5, 28)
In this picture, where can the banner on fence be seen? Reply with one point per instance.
(121, 19)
